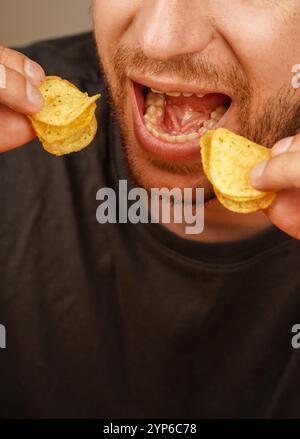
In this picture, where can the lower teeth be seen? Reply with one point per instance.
(181, 138)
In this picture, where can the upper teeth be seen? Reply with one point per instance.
(173, 93)
(177, 93)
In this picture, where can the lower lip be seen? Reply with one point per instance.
(159, 147)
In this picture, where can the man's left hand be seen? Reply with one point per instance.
(281, 174)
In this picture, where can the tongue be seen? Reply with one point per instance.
(187, 114)
(207, 104)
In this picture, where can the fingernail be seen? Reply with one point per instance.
(34, 96)
(258, 171)
(2, 76)
(282, 146)
(33, 71)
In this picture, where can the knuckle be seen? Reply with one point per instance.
(3, 54)
(296, 143)
(277, 169)
(288, 169)
(285, 170)
(23, 61)
(297, 137)
(284, 165)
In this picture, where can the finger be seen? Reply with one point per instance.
(286, 145)
(18, 93)
(15, 129)
(22, 64)
(285, 212)
(278, 173)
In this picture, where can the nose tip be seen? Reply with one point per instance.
(168, 29)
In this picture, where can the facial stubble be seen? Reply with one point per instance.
(273, 119)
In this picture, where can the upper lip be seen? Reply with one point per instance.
(167, 84)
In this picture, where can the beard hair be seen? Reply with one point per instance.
(273, 119)
(278, 118)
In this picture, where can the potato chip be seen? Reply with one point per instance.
(75, 143)
(63, 102)
(232, 159)
(205, 151)
(246, 206)
(52, 133)
(228, 160)
(67, 120)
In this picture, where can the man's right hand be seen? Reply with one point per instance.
(20, 78)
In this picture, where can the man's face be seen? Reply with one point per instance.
(210, 63)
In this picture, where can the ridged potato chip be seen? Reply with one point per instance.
(52, 133)
(74, 143)
(232, 158)
(246, 206)
(205, 151)
(67, 120)
(63, 102)
(228, 160)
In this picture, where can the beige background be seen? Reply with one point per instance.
(25, 21)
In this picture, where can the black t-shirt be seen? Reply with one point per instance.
(124, 320)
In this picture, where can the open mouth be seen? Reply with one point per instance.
(172, 122)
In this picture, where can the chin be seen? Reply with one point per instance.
(148, 172)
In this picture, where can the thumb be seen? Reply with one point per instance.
(285, 212)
